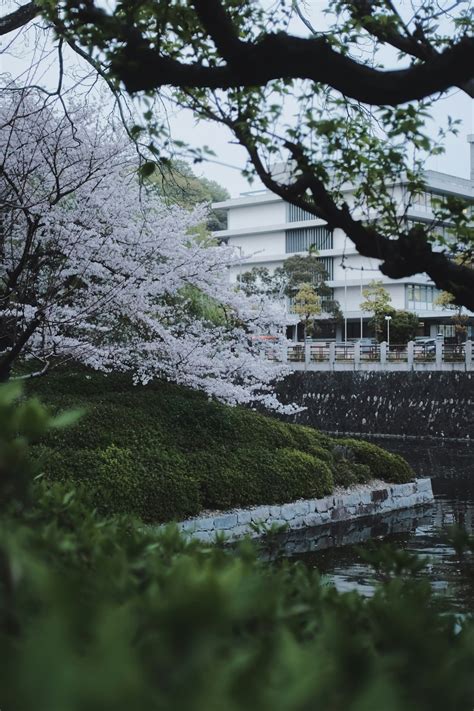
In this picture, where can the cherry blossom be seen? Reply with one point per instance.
(96, 268)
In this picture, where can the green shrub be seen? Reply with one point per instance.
(223, 482)
(292, 474)
(138, 447)
(383, 465)
(307, 438)
(125, 485)
(347, 473)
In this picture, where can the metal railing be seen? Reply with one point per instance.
(382, 356)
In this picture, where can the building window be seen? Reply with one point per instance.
(302, 239)
(297, 214)
(420, 297)
(447, 330)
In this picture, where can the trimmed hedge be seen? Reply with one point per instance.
(382, 464)
(162, 452)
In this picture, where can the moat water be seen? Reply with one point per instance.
(336, 550)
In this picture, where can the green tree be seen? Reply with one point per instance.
(259, 280)
(459, 319)
(179, 185)
(377, 301)
(403, 326)
(307, 305)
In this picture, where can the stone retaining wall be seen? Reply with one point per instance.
(361, 501)
(439, 405)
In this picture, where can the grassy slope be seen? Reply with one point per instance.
(163, 452)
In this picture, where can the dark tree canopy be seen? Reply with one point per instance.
(344, 104)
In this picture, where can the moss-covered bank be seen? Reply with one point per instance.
(163, 452)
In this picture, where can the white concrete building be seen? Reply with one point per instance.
(267, 231)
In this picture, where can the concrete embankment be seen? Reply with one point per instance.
(368, 500)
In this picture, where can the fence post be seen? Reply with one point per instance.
(356, 356)
(468, 355)
(410, 354)
(307, 355)
(383, 353)
(439, 353)
(332, 355)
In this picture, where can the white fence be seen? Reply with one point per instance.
(382, 356)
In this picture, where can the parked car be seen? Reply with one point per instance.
(428, 345)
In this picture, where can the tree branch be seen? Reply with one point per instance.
(282, 56)
(18, 18)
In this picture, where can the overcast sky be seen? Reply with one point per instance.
(455, 161)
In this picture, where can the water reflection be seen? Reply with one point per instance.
(332, 549)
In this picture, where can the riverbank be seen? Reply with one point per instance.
(372, 499)
(338, 550)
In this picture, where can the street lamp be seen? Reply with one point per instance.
(388, 319)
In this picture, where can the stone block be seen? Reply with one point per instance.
(288, 512)
(260, 513)
(274, 512)
(302, 508)
(189, 526)
(312, 519)
(297, 522)
(240, 532)
(204, 536)
(365, 497)
(323, 505)
(205, 524)
(352, 499)
(222, 523)
(424, 485)
(379, 495)
(244, 516)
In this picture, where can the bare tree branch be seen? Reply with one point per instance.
(18, 18)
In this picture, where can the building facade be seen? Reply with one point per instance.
(266, 231)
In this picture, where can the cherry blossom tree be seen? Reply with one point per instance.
(95, 267)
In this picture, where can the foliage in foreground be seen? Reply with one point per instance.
(162, 452)
(97, 614)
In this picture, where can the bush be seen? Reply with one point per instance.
(116, 481)
(382, 464)
(223, 480)
(162, 451)
(294, 475)
(346, 473)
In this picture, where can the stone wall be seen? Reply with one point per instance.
(370, 500)
(434, 404)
